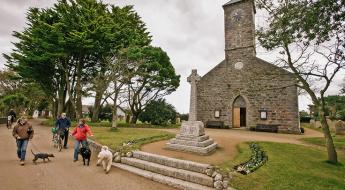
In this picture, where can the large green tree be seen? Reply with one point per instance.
(66, 46)
(152, 77)
(300, 30)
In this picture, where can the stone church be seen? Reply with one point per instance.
(243, 90)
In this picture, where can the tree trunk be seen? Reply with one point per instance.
(54, 107)
(332, 154)
(97, 106)
(79, 92)
(61, 100)
(114, 122)
(134, 118)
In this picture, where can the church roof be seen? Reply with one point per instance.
(232, 2)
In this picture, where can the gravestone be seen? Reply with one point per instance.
(340, 128)
(192, 136)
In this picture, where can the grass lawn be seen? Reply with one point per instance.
(339, 141)
(114, 138)
(290, 167)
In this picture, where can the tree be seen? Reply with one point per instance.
(302, 29)
(152, 77)
(158, 113)
(64, 47)
(131, 31)
(17, 101)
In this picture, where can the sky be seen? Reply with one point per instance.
(190, 31)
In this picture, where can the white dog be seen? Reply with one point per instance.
(106, 157)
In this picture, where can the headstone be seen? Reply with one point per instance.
(192, 136)
(340, 127)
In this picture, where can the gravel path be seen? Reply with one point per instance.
(61, 173)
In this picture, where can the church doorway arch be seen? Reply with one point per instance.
(239, 112)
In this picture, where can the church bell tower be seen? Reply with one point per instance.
(239, 27)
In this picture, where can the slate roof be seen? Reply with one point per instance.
(232, 2)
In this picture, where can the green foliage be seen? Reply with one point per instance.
(158, 113)
(334, 107)
(153, 77)
(64, 46)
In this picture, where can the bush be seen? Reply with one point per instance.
(159, 113)
(305, 119)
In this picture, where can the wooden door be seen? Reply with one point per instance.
(237, 118)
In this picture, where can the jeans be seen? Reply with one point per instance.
(21, 148)
(76, 147)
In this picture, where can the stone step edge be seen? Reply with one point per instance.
(172, 162)
(192, 138)
(192, 149)
(184, 175)
(192, 143)
(177, 183)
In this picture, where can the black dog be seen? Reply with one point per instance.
(43, 156)
(85, 153)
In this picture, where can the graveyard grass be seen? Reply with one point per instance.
(290, 167)
(114, 138)
(339, 142)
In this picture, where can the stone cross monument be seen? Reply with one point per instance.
(192, 136)
(193, 79)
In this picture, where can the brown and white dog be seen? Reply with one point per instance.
(106, 158)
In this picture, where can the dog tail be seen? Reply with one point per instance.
(33, 152)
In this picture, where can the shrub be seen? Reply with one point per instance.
(159, 113)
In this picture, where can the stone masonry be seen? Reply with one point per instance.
(263, 86)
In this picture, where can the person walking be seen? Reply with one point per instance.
(63, 124)
(22, 132)
(80, 134)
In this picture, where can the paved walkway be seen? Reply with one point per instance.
(227, 141)
(61, 173)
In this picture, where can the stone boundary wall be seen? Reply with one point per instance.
(3, 120)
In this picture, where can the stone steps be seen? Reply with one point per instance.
(171, 162)
(185, 175)
(177, 183)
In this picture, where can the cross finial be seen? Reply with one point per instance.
(194, 77)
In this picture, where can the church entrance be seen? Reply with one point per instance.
(239, 113)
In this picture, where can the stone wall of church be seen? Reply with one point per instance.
(263, 86)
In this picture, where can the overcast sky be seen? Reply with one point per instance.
(190, 31)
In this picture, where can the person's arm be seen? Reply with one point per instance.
(14, 132)
(68, 123)
(14, 115)
(88, 130)
(31, 135)
(74, 131)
